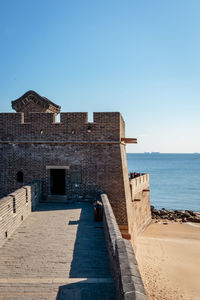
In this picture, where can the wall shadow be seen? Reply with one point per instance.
(90, 257)
(56, 206)
(90, 263)
(86, 290)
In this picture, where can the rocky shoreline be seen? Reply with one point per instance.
(174, 215)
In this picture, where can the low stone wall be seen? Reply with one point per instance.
(139, 183)
(15, 208)
(122, 258)
(139, 211)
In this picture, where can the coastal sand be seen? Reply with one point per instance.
(169, 261)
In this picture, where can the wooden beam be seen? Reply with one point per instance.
(129, 140)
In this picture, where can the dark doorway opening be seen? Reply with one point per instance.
(20, 176)
(58, 182)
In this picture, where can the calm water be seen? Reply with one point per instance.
(174, 178)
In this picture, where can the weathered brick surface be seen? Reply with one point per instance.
(122, 258)
(15, 208)
(139, 212)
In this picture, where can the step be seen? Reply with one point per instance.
(57, 289)
(56, 198)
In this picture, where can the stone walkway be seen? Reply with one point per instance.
(58, 252)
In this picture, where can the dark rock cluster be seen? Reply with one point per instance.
(175, 215)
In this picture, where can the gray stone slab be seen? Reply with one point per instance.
(58, 241)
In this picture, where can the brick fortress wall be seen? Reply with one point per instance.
(33, 143)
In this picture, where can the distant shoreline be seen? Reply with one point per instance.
(182, 153)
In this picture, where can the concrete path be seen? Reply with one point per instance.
(58, 252)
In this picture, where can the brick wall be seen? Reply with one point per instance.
(72, 127)
(15, 207)
(139, 212)
(34, 143)
(122, 258)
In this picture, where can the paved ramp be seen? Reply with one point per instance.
(59, 252)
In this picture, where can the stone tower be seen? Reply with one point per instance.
(72, 158)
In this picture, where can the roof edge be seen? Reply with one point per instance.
(41, 98)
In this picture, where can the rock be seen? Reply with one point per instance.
(163, 212)
(192, 213)
(186, 214)
(164, 217)
(178, 212)
(184, 220)
(175, 215)
(194, 219)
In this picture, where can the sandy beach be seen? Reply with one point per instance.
(169, 261)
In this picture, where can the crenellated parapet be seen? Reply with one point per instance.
(72, 127)
(139, 213)
(139, 184)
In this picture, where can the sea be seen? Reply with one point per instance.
(174, 178)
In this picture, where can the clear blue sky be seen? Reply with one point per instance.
(139, 57)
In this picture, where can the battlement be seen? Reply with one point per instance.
(107, 126)
(111, 118)
(139, 184)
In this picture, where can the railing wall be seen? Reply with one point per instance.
(122, 258)
(139, 212)
(15, 208)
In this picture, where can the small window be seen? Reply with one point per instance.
(20, 176)
(89, 128)
(76, 178)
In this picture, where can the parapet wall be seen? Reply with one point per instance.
(16, 207)
(122, 258)
(139, 212)
(107, 126)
